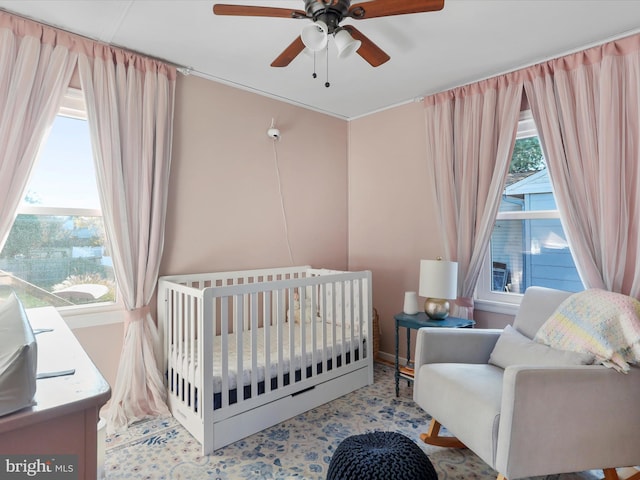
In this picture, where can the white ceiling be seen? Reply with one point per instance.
(468, 40)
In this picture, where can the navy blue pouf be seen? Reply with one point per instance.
(380, 456)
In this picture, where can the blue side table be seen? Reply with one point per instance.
(416, 321)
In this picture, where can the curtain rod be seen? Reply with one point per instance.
(180, 68)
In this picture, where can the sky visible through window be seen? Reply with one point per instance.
(65, 175)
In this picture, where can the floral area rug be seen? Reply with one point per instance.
(300, 448)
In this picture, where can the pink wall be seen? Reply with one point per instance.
(492, 320)
(224, 209)
(392, 218)
(392, 221)
(103, 344)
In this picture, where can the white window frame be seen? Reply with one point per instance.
(94, 314)
(486, 299)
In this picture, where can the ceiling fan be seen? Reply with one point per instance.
(326, 16)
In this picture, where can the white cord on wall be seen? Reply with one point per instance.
(284, 213)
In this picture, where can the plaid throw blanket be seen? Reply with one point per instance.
(602, 323)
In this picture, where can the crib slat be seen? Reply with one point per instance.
(192, 348)
(334, 340)
(245, 305)
(215, 327)
(254, 344)
(343, 322)
(360, 313)
(303, 334)
(314, 329)
(238, 308)
(206, 332)
(350, 305)
(180, 344)
(323, 307)
(292, 338)
(224, 345)
(171, 357)
(266, 321)
(280, 325)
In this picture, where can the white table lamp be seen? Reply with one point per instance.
(439, 284)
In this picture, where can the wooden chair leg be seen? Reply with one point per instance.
(501, 477)
(432, 437)
(627, 473)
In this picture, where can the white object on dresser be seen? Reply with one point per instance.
(64, 419)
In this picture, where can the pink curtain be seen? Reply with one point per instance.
(36, 65)
(587, 109)
(130, 109)
(470, 135)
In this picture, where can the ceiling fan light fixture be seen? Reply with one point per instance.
(315, 36)
(345, 43)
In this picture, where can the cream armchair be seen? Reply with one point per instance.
(531, 418)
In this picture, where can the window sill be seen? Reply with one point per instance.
(496, 307)
(93, 316)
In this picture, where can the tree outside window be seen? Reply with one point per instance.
(55, 253)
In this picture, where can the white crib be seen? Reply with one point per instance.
(299, 337)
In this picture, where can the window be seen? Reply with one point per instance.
(528, 244)
(55, 254)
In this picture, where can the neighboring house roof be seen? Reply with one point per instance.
(516, 177)
(528, 182)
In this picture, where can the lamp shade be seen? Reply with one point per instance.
(438, 279)
(315, 36)
(345, 43)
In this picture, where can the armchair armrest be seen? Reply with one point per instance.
(566, 419)
(454, 345)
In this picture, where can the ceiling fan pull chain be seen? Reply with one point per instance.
(327, 84)
(314, 74)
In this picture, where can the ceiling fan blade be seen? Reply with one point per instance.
(386, 8)
(289, 53)
(252, 11)
(368, 50)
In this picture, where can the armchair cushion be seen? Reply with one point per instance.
(468, 396)
(538, 303)
(513, 348)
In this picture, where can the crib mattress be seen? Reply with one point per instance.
(313, 353)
